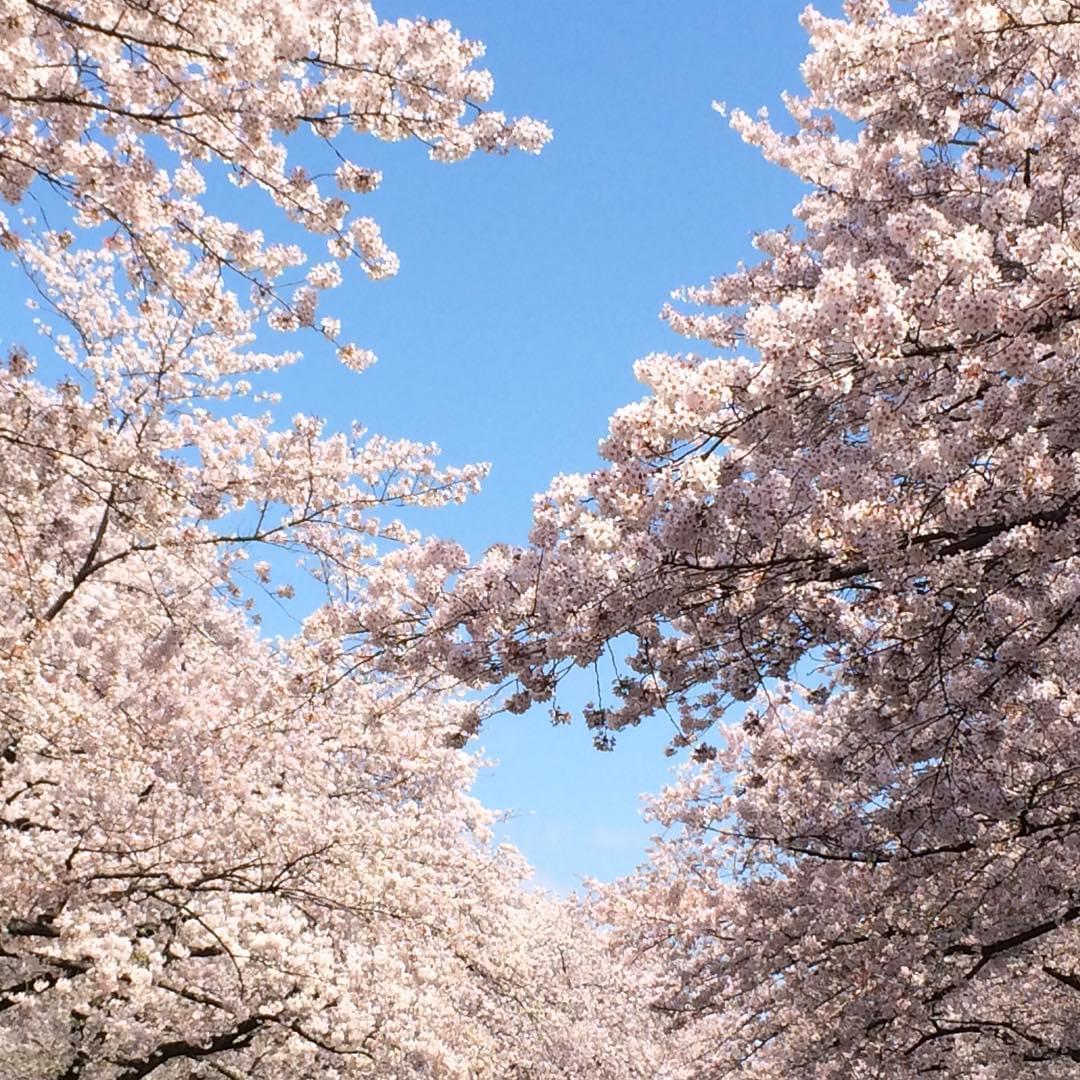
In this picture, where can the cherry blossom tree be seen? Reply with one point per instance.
(855, 509)
(222, 856)
(225, 855)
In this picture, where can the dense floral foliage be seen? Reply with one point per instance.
(226, 859)
(859, 513)
(226, 856)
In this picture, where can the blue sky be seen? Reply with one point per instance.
(530, 285)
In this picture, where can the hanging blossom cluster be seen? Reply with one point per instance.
(856, 508)
(119, 106)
